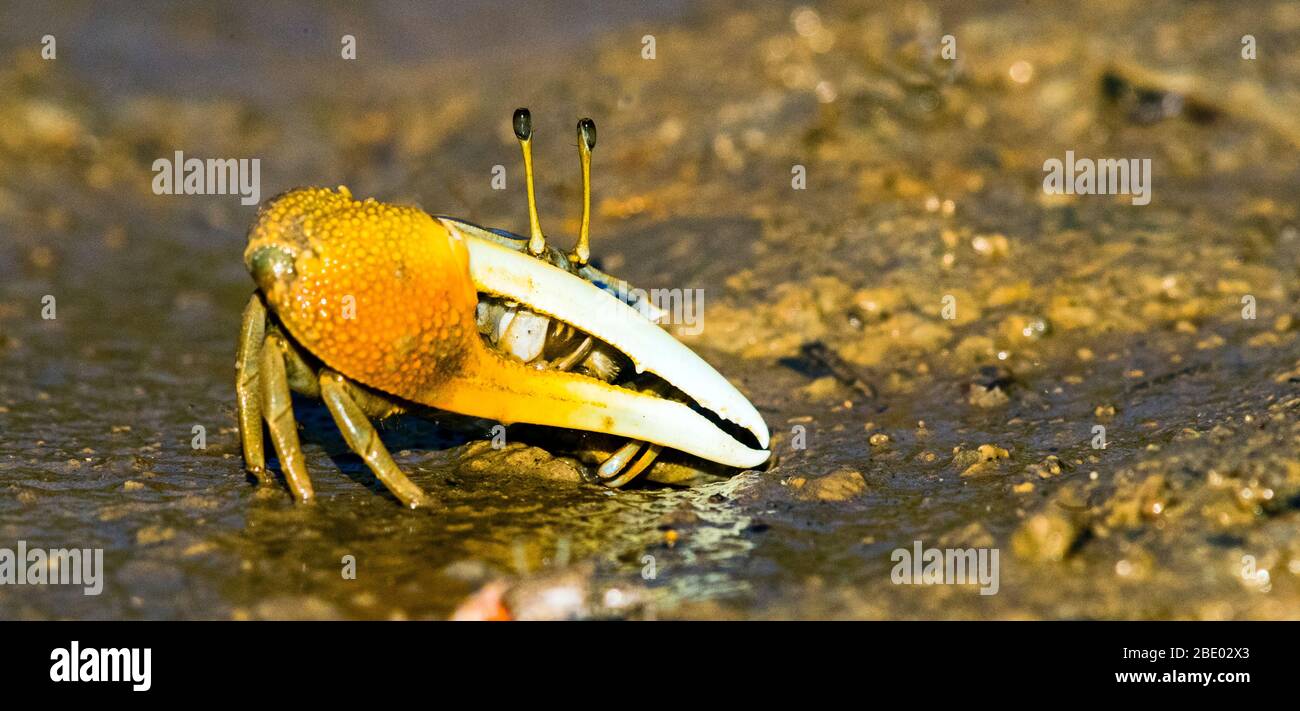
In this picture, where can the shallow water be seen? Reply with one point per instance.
(923, 182)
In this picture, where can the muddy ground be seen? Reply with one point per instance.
(932, 338)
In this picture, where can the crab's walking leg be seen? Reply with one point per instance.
(364, 440)
(302, 379)
(248, 387)
(610, 468)
(277, 408)
(608, 472)
(645, 460)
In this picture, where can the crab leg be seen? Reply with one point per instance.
(619, 459)
(364, 440)
(248, 382)
(301, 377)
(277, 408)
(609, 470)
(645, 460)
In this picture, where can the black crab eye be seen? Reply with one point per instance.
(587, 133)
(523, 124)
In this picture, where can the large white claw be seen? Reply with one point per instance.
(546, 289)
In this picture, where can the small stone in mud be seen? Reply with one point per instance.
(1069, 316)
(1133, 505)
(154, 534)
(989, 388)
(518, 458)
(297, 607)
(1226, 514)
(878, 439)
(1044, 538)
(840, 485)
(994, 245)
(822, 388)
(1046, 469)
(1137, 564)
(972, 535)
(980, 461)
(986, 398)
(875, 304)
(684, 516)
(200, 548)
(1021, 327)
(974, 348)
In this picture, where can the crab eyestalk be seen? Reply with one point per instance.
(586, 143)
(523, 124)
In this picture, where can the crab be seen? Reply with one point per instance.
(380, 309)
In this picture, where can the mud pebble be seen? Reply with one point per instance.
(1044, 538)
(840, 485)
(981, 461)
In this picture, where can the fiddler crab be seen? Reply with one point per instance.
(381, 309)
